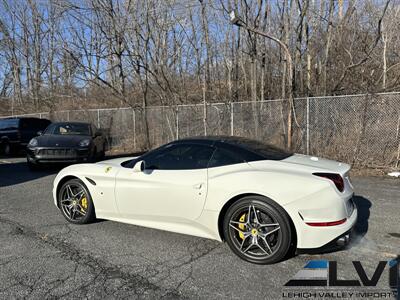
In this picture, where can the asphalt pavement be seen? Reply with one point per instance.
(43, 256)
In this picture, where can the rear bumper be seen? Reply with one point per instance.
(322, 207)
(58, 155)
(330, 237)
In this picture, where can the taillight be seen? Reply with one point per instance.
(325, 224)
(336, 179)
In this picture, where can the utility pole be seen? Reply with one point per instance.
(236, 20)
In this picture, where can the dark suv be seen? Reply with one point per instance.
(15, 133)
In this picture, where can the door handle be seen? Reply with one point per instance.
(198, 186)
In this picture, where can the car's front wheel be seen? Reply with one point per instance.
(75, 202)
(257, 230)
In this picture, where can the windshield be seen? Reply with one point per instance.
(68, 129)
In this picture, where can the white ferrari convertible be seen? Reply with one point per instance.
(261, 200)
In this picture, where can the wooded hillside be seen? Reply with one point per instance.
(105, 53)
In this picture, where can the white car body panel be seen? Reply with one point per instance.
(190, 201)
(172, 194)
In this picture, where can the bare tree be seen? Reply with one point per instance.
(94, 53)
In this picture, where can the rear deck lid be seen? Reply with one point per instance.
(317, 162)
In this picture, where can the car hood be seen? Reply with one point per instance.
(60, 140)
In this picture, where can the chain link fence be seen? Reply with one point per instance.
(363, 130)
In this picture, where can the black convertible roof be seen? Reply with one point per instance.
(211, 139)
(265, 150)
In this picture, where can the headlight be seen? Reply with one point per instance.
(84, 143)
(33, 143)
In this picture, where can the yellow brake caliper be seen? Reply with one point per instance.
(84, 203)
(241, 226)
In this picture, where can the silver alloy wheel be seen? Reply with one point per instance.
(254, 232)
(74, 202)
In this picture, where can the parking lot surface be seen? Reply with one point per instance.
(43, 256)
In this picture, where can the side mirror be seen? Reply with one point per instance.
(97, 133)
(139, 166)
(39, 132)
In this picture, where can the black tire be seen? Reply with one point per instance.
(77, 217)
(253, 241)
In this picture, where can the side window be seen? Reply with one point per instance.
(180, 157)
(24, 124)
(224, 156)
(11, 124)
(32, 124)
(35, 124)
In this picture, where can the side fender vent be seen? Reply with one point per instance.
(91, 181)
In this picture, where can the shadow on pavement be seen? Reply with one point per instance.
(12, 173)
(18, 172)
(363, 207)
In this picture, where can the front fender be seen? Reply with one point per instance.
(101, 185)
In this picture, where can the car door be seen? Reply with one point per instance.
(173, 185)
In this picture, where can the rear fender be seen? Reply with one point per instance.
(282, 188)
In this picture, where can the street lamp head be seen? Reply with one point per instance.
(235, 19)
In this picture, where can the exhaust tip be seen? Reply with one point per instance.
(343, 240)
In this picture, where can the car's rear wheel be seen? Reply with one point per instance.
(75, 202)
(257, 230)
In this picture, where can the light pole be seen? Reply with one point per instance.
(236, 20)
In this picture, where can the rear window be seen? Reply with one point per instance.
(266, 151)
